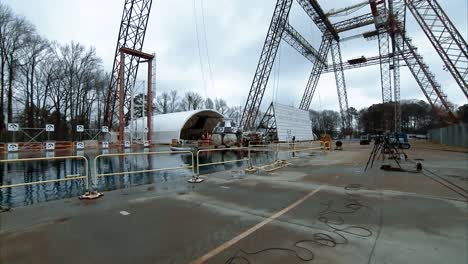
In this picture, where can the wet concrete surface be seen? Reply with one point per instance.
(391, 217)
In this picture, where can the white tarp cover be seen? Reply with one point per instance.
(169, 126)
(291, 121)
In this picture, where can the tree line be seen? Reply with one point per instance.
(171, 102)
(417, 117)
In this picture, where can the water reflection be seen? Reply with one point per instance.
(14, 173)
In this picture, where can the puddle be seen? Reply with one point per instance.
(15, 173)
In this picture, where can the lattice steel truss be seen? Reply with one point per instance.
(330, 40)
(280, 29)
(381, 15)
(270, 48)
(267, 124)
(397, 10)
(131, 35)
(340, 84)
(368, 61)
(395, 50)
(314, 76)
(445, 38)
(385, 74)
(418, 68)
(353, 23)
(299, 43)
(426, 80)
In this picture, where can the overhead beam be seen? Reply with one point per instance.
(366, 61)
(316, 13)
(299, 43)
(346, 10)
(137, 53)
(353, 23)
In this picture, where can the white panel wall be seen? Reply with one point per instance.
(291, 122)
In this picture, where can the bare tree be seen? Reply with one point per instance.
(198, 101)
(173, 101)
(209, 103)
(235, 113)
(15, 33)
(6, 18)
(191, 101)
(35, 51)
(162, 103)
(221, 106)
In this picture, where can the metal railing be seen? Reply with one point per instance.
(282, 147)
(293, 147)
(221, 162)
(67, 177)
(185, 166)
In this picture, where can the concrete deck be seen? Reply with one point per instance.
(393, 217)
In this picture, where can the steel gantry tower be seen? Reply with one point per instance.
(395, 50)
(131, 35)
(280, 29)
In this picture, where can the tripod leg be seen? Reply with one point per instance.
(378, 149)
(371, 155)
(396, 158)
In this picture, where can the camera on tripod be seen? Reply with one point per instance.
(393, 140)
(389, 146)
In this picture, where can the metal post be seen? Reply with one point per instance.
(121, 96)
(149, 98)
(250, 161)
(132, 113)
(198, 164)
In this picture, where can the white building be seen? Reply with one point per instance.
(188, 125)
(283, 122)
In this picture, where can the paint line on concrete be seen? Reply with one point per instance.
(251, 230)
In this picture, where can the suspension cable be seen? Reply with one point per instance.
(198, 45)
(210, 72)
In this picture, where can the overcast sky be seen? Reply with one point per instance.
(235, 32)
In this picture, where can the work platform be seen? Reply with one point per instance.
(322, 208)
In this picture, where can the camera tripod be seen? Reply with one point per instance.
(387, 149)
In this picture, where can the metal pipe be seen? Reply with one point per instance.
(96, 174)
(220, 162)
(42, 182)
(149, 111)
(142, 171)
(121, 96)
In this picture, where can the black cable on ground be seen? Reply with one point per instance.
(444, 182)
(4, 209)
(335, 236)
(379, 230)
